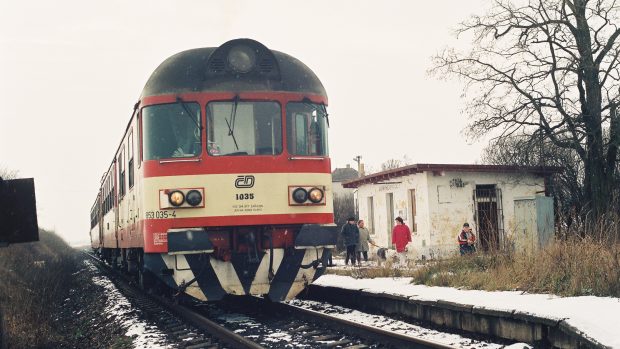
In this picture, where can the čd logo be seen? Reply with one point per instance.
(244, 181)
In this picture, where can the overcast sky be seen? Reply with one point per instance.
(71, 71)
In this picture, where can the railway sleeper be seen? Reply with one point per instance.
(337, 343)
(327, 337)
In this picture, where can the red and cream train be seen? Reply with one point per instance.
(221, 183)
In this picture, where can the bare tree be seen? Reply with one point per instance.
(566, 187)
(547, 69)
(391, 164)
(344, 207)
(7, 174)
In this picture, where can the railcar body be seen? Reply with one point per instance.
(222, 181)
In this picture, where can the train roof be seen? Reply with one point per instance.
(238, 65)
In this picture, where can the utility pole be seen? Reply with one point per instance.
(358, 159)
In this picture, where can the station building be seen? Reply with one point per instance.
(507, 206)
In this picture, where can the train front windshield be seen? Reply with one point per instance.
(171, 131)
(244, 128)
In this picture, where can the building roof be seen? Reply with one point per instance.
(419, 168)
(344, 174)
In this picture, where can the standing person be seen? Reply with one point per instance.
(362, 246)
(466, 239)
(401, 236)
(350, 237)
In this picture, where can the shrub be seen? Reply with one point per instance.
(36, 277)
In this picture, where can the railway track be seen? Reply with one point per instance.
(278, 324)
(273, 325)
(185, 327)
(387, 338)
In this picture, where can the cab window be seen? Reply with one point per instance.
(306, 129)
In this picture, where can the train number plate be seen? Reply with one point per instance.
(160, 214)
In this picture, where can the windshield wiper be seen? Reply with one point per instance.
(308, 103)
(325, 113)
(189, 115)
(231, 124)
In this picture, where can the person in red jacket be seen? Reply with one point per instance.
(467, 240)
(401, 236)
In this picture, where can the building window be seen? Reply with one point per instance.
(371, 215)
(389, 204)
(412, 205)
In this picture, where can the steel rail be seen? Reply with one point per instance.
(398, 340)
(220, 332)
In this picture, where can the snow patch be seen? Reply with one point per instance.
(117, 306)
(595, 317)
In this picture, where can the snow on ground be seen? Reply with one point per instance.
(120, 309)
(595, 317)
(397, 326)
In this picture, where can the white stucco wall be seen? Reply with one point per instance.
(382, 231)
(441, 208)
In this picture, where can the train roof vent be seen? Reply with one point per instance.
(244, 58)
(265, 65)
(217, 65)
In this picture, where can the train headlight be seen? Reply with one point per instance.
(242, 59)
(176, 198)
(193, 197)
(300, 195)
(315, 195)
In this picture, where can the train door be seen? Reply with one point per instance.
(100, 213)
(116, 201)
(122, 203)
(131, 194)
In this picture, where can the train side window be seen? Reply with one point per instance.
(306, 129)
(130, 166)
(139, 140)
(121, 174)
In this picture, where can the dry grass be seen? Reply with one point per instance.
(35, 279)
(573, 265)
(386, 270)
(568, 268)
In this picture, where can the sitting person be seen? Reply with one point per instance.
(214, 149)
(187, 139)
(467, 240)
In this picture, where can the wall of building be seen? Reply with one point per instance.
(451, 206)
(399, 187)
(444, 201)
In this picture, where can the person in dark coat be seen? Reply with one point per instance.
(350, 237)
